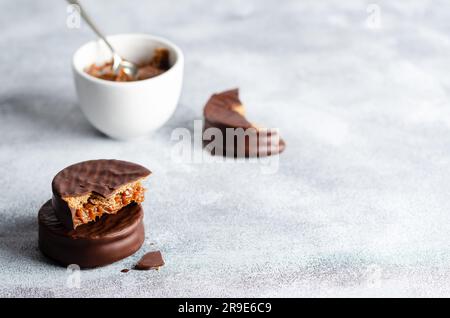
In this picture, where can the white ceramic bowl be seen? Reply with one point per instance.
(125, 110)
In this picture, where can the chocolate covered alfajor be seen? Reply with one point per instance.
(95, 216)
(225, 113)
(85, 191)
(110, 239)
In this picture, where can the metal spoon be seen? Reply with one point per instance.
(118, 62)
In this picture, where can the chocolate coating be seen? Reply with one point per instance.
(102, 177)
(111, 238)
(263, 145)
(225, 110)
(63, 212)
(221, 110)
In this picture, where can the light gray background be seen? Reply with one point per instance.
(360, 204)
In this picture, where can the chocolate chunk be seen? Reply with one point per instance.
(161, 59)
(85, 191)
(111, 238)
(152, 260)
(125, 270)
(224, 111)
(147, 72)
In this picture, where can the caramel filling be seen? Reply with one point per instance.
(158, 64)
(94, 206)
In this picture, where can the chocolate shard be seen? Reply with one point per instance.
(161, 59)
(152, 260)
(225, 111)
(85, 191)
(111, 238)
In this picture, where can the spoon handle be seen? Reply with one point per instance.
(94, 28)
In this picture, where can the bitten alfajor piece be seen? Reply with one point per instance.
(85, 191)
(225, 112)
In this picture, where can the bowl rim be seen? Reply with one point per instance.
(178, 61)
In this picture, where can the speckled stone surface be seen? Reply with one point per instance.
(360, 203)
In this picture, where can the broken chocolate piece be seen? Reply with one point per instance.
(125, 270)
(85, 191)
(161, 59)
(240, 137)
(111, 238)
(148, 71)
(152, 260)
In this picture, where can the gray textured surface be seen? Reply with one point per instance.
(359, 205)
